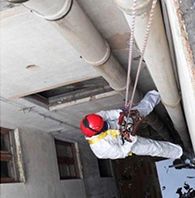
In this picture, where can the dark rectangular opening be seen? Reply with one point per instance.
(8, 171)
(4, 169)
(67, 160)
(105, 168)
(71, 92)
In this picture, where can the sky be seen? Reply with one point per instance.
(173, 178)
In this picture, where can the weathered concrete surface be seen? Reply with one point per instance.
(185, 63)
(4, 5)
(188, 12)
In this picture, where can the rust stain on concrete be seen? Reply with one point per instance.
(186, 42)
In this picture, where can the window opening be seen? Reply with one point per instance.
(67, 159)
(105, 168)
(9, 161)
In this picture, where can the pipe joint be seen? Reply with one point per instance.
(56, 15)
(173, 104)
(103, 60)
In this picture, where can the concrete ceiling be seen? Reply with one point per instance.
(36, 57)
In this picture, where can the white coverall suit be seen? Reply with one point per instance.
(109, 145)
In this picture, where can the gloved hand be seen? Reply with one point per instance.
(126, 136)
(188, 157)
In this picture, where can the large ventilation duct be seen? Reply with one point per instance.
(72, 22)
(158, 60)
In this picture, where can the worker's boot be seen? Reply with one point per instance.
(188, 158)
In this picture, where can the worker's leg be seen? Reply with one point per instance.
(146, 146)
(147, 104)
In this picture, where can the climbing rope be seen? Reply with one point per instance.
(147, 31)
(131, 41)
(128, 104)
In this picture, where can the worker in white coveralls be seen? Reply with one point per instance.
(103, 135)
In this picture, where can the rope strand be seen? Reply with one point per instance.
(131, 41)
(147, 31)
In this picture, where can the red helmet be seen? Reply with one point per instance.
(92, 124)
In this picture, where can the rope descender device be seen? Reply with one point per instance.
(129, 124)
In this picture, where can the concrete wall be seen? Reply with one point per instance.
(96, 186)
(39, 152)
(41, 171)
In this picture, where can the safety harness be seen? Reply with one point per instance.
(129, 125)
